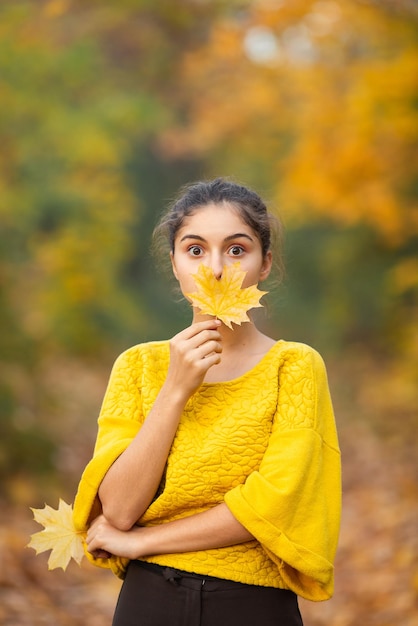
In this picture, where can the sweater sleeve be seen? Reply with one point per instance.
(292, 503)
(119, 421)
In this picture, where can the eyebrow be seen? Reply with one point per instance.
(229, 238)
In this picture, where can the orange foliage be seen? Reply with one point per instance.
(322, 96)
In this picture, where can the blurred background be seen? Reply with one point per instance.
(106, 108)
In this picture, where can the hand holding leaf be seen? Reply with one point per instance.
(59, 535)
(224, 298)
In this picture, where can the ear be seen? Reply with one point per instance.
(266, 266)
(173, 265)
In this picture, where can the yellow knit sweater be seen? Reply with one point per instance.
(264, 443)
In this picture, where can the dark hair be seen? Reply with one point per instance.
(251, 208)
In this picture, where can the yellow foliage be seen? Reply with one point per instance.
(404, 276)
(55, 8)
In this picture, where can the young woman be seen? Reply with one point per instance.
(214, 489)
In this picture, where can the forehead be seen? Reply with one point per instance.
(220, 218)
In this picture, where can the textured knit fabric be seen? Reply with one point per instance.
(264, 443)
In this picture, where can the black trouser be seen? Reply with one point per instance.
(160, 596)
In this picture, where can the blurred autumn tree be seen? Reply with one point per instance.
(106, 108)
(317, 103)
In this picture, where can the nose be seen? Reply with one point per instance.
(216, 263)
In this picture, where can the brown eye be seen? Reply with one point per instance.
(195, 250)
(236, 250)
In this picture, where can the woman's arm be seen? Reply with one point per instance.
(132, 481)
(215, 528)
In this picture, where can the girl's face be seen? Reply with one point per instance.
(216, 235)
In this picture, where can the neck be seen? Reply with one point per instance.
(242, 348)
(240, 336)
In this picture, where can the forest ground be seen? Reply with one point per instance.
(376, 566)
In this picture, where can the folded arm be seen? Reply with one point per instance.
(214, 528)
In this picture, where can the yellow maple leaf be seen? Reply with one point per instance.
(59, 535)
(224, 298)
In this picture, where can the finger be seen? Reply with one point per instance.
(211, 359)
(206, 336)
(97, 520)
(93, 544)
(212, 322)
(198, 327)
(208, 348)
(200, 339)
